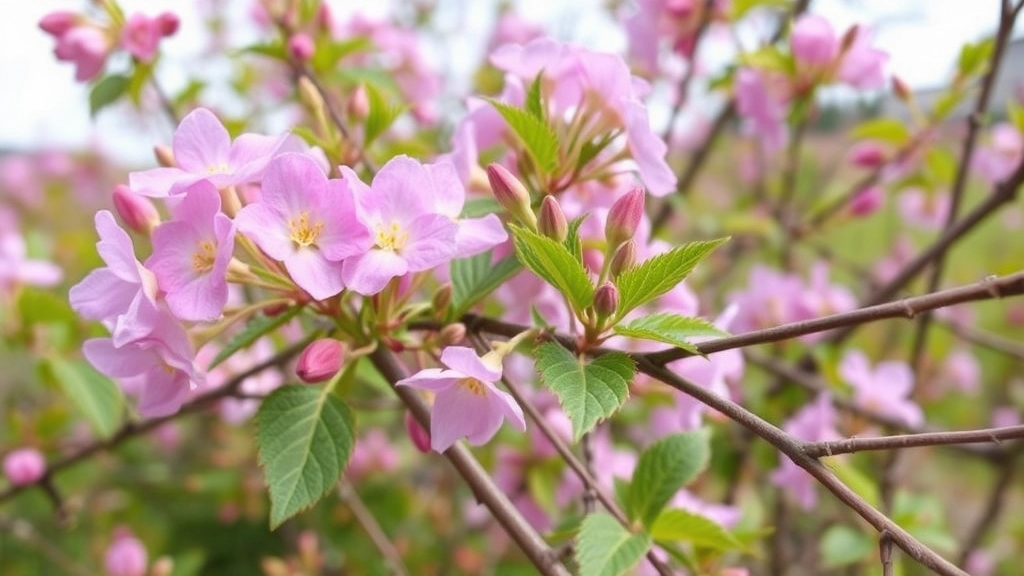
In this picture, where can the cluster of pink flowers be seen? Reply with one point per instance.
(773, 298)
(88, 43)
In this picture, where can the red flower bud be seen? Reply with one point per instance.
(624, 258)
(511, 194)
(418, 434)
(552, 221)
(867, 201)
(320, 360)
(301, 47)
(606, 300)
(168, 23)
(59, 22)
(624, 218)
(24, 466)
(359, 103)
(137, 212)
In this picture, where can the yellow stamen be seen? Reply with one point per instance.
(202, 260)
(391, 237)
(473, 385)
(302, 232)
(217, 169)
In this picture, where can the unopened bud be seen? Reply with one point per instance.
(301, 47)
(551, 222)
(442, 298)
(624, 218)
(320, 360)
(902, 89)
(168, 23)
(24, 466)
(623, 259)
(137, 212)
(849, 37)
(164, 156)
(452, 334)
(126, 555)
(359, 103)
(310, 96)
(511, 194)
(418, 434)
(324, 18)
(59, 22)
(606, 300)
(868, 154)
(867, 201)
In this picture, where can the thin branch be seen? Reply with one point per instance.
(529, 541)
(373, 529)
(684, 84)
(851, 445)
(994, 505)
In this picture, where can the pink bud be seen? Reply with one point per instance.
(126, 556)
(24, 466)
(87, 47)
(867, 201)
(301, 46)
(813, 41)
(452, 334)
(359, 103)
(140, 36)
(551, 222)
(320, 360)
(868, 155)
(624, 258)
(168, 23)
(137, 212)
(511, 194)
(418, 434)
(606, 300)
(59, 22)
(624, 218)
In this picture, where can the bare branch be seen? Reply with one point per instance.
(851, 445)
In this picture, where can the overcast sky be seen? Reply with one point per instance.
(41, 105)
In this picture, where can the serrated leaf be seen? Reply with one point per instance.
(669, 328)
(552, 261)
(841, 546)
(256, 328)
(534, 105)
(676, 525)
(476, 277)
(106, 92)
(572, 240)
(381, 116)
(663, 468)
(305, 436)
(97, 397)
(605, 548)
(884, 129)
(657, 275)
(536, 135)
(588, 392)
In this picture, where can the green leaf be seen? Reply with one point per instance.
(552, 261)
(655, 276)
(663, 468)
(382, 114)
(474, 278)
(305, 436)
(669, 328)
(275, 50)
(572, 240)
(605, 548)
(106, 92)
(37, 306)
(974, 57)
(589, 392)
(256, 328)
(329, 52)
(477, 207)
(97, 397)
(534, 105)
(884, 129)
(140, 77)
(535, 134)
(675, 525)
(841, 546)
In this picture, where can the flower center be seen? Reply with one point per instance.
(217, 169)
(473, 385)
(302, 233)
(391, 237)
(202, 260)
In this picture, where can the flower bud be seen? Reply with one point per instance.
(551, 222)
(24, 466)
(320, 360)
(606, 300)
(301, 47)
(452, 334)
(442, 299)
(849, 37)
(163, 566)
(417, 433)
(126, 555)
(359, 103)
(624, 258)
(813, 41)
(59, 22)
(168, 23)
(137, 212)
(867, 154)
(164, 156)
(902, 90)
(511, 194)
(867, 201)
(624, 218)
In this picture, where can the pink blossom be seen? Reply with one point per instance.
(87, 47)
(868, 154)
(191, 254)
(126, 555)
(301, 46)
(467, 402)
(474, 235)
(868, 201)
(123, 294)
(962, 370)
(140, 36)
(409, 216)
(58, 22)
(16, 269)
(815, 422)
(764, 110)
(306, 221)
(771, 298)
(926, 210)
(158, 368)
(884, 390)
(813, 42)
(204, 150)
(862, 66)
(373, 453)
(997, 159)
(137, 212)
(24, 466)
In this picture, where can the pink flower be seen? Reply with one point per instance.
(884, 390)
(126, 555)
(867, 201)
(474, 235)
(204, 150)
(140, 36)
(813, 41)
(191, 254)
(815, 422)
(962, 371)
(765, 111)
(24, 466)
(923, 209)
(123, 294)
(409, 217)
(301, 46)
(87, 47)
(137, 212)
(862, 66)
(772, 298)
(158, 368)
(997, 159)
(467, 403)
(306, 221)
(16, 269)
(868, 154)
(373, 453)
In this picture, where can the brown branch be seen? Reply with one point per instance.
(993, 506)
(486, 492)
(851, 445)
(684, 84)
(373, 529)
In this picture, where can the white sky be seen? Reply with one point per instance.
(42, 106)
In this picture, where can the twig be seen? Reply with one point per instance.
(851, 445)
(373, 529)
(995, 504)
(684, 84)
